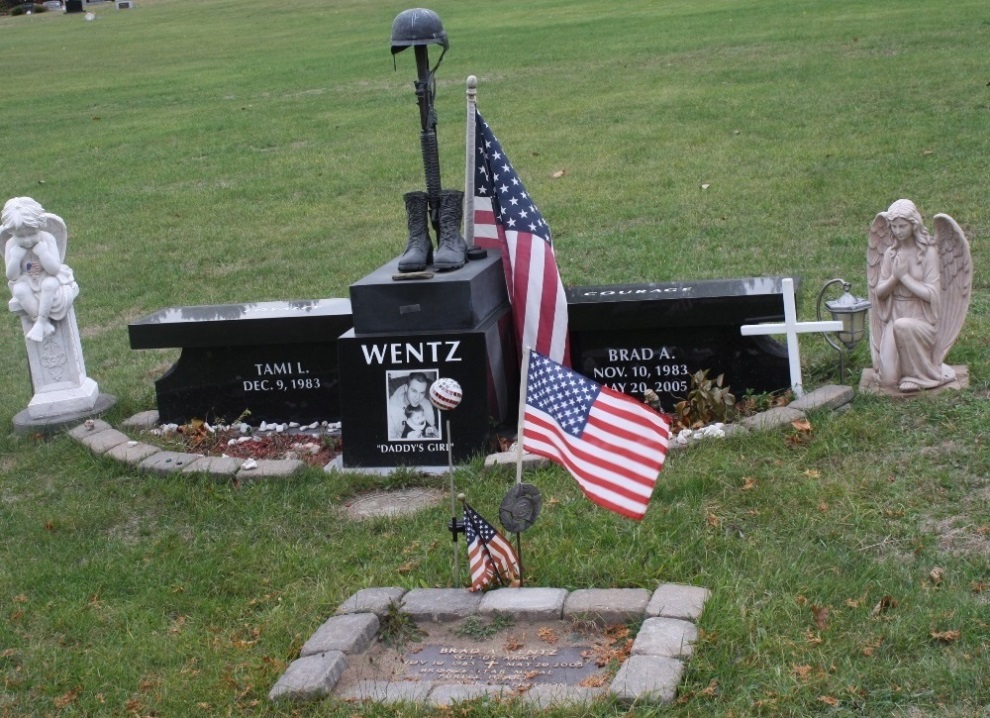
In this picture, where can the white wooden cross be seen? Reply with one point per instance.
(791, 327)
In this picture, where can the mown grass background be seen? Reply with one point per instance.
(213, 151)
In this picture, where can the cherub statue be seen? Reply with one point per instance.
(920, 290)
(34, 253)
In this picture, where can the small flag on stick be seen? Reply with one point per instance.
(491, 557)
(612, 444)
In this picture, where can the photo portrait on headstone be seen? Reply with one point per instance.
(411, 416)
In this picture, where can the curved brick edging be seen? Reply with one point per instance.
(101, 438)
(650, 675)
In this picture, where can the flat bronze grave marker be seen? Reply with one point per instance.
(518, 657)
(497, 666)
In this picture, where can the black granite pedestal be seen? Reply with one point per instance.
(409, 333)
(654, 336)
(277, 360)
(385, 385)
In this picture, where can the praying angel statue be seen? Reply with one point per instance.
(41, 283)
(920, 287)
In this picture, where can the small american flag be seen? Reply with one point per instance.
(490, 555)
(505, 218)
(612, 444)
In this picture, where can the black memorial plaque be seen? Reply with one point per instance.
(654, 336)
(277, 360)
(387, 417)
(485, 665)
(448, 301)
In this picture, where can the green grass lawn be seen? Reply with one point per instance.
(213, 151)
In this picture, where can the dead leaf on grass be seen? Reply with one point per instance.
(813, 638)
(801, 425)
(512, 643)
(67, 698)
(821, 616)
(559, 173)
(711, 690)
(872, 646)
(946, 636)
(978, 586)
(547, 635)
(937, 575)
(802, 671)
(812, 473)
(829, 700)
(823, 507)
(596, 680)
(749, 483)
(883, 605)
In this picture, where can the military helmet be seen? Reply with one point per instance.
(417, 26)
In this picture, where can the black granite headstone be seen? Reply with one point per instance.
(277, 360)
(73, 5)
(654, 336)
(388, 420)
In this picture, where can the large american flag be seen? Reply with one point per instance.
(505, 218)
(490, 555)
(612, 444)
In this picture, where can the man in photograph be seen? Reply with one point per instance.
(405, 403)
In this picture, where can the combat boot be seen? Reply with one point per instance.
(419, 247)
(451, 248)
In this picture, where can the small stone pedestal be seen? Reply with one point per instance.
(63, 394)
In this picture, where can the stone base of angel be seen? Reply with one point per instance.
(868, 384)
(63, 394)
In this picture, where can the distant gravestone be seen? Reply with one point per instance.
(277, 360)
(635, 337)
(73, 6)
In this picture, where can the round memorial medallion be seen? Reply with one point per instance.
(520, 507)
(445, 394)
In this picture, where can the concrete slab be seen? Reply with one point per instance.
(772, 418)
(607, 606)
(270, 469)
(509, 458)
(167, 462)
(674, 600)
(831, 396)
(448, 693)
(142, 420)
(668, 637)
(373, 600)
(440, 604)
(309, 677)
(647, 679)
(526, 604)
(89, 428)
(546, 695)
(348, 634)
(101, 442)
(387, 691)
(215, 465)
(868, 385)
(133, 452)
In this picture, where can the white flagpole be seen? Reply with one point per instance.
(523, 381)
(470, 158)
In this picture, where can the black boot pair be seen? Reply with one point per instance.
(451, 248)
